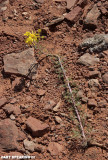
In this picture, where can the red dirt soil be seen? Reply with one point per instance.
(62, 39)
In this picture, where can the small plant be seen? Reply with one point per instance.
(33, 37)
(32, 40)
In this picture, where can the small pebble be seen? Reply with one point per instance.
(12, 117)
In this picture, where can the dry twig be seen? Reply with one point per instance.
(73, 101)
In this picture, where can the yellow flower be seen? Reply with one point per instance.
(29, 41)
(39, 30)
(27, 34)
(42, 37)
(33, 37)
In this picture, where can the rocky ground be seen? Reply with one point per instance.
(35, 117)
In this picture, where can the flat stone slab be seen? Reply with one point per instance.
(9, 135)
(12, 109)
(92, 16)
(88, 60)
(19, 63)
(29, 145)
(92, 103)
(55, 148)
(36, 127)
(74, 15)
(71, 3)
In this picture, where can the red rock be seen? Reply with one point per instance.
(105, 77)
(92, 103)
(58, 119)
(40, 92)
(9, 108)
(92, 16)
(80, 94)
(9, 135)
(13, 101)
(16, 110)
(29, 145)
(36, 127)
(55, 148)
(3, 101)
(74, 14)
(20, 63)
(93, 83)
(84, 99)
(55, 109)
(39, 148)
(82, 3)
(71, 3)
(88, 60)
(50, 104)
(93, 74)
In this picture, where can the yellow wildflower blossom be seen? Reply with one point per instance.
(33, 37)
(29, 41)
(39, 30)
(27, 34)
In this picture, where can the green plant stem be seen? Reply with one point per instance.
(72, 97)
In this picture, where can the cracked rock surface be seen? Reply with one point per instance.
(97, 43)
